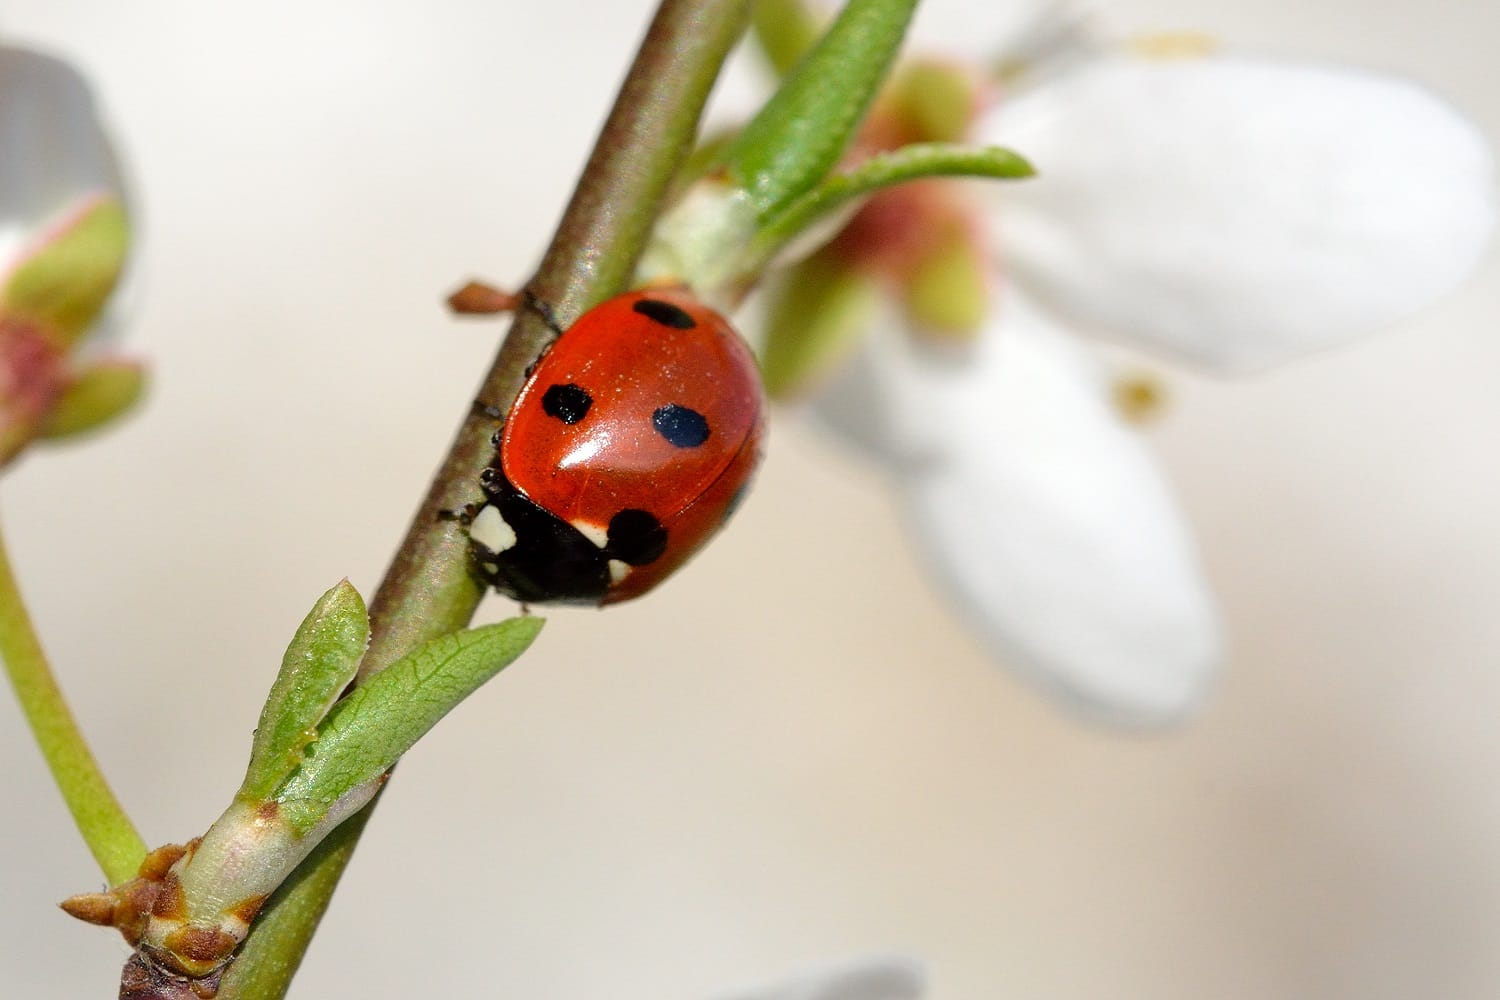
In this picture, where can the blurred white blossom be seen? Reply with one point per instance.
(877, 978)
(1227, 212)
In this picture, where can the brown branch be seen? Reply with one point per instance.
(428, 590)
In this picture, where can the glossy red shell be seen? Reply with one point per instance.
(634, 362)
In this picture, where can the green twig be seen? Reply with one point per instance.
(429, 590)
(106, 829)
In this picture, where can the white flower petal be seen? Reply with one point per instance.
(879, 978)
(53, 150)
(1045, 516)
(978, 32)
(859, 400)
(1240, 213)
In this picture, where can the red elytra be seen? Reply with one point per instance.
(627, 448)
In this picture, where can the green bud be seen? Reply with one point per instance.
(319, 663)
(98, 394)
(785, 31)
(932, 101)
(63, 284)
(947, 293)
(817, 312)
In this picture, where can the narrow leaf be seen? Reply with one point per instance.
(68, 276)
(802, 132)
(318, 665)
(369, 730)
(909, 163)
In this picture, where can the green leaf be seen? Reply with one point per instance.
(803, 130)
(318, 665)
(380, 720)
(815, 316)
(65, 282)
(98, 395)
(909, 163)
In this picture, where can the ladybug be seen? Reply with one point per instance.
(630, 444)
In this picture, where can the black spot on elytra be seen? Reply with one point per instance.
(681, 426)
(664, 313)
(636, 537)
(568, 403)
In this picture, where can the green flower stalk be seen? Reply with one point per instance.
(64, 240)
(105, 827)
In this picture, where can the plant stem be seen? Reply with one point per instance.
(429, 589)
(276, 946)
(110, 835)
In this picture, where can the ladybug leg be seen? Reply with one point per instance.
(492, 482)
(479, 299)
(491, 411)
(464, 515)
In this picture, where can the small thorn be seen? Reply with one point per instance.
(478, 299)
(92, 907)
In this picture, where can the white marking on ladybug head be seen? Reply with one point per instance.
(618, 570)
(492, 568)
(492, 531)
(593, 532)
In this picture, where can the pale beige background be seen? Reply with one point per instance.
(790, 752)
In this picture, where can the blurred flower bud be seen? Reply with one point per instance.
(63, 242)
